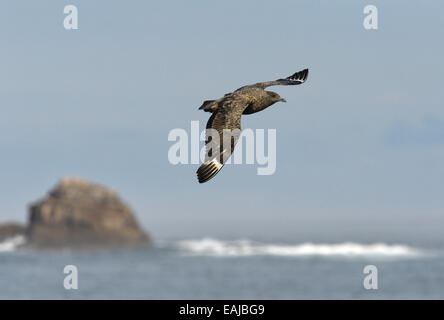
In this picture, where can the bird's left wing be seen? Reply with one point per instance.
(223, 132)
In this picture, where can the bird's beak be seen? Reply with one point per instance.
(282, 99)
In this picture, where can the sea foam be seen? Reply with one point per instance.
(10, 244)
(214, 247)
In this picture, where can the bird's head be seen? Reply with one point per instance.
(274, 97)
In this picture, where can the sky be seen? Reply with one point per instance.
(360, 145)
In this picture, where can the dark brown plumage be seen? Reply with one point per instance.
(226, 115)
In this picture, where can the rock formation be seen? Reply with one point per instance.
(10, 230)
(81, 214)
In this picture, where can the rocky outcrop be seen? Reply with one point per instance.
(81, 214)
(11, 230)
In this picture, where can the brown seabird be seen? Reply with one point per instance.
(225, 120)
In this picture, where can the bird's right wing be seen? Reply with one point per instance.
(296, 78)
(223, 132)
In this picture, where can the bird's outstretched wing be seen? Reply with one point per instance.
(296, 78)
(223, 132)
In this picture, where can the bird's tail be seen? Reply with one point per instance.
(208, 170)
(208, 106)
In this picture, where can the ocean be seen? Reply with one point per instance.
(209, 268)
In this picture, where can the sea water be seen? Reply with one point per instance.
(209, 268)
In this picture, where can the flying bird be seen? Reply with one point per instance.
(225, 119)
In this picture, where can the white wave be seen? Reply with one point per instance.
(10, 244)
(214, 247)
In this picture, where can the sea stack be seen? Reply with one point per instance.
(80, 214)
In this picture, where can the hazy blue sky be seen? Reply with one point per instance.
(362, 141)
